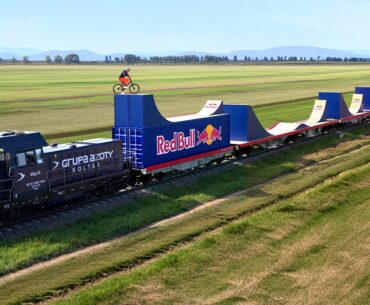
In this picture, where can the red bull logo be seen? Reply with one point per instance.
(356, 101)
(212, 105)
(209, 135)
(178, 142)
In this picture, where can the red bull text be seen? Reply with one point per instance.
(179, 141)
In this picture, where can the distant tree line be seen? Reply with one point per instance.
(128, 59)
(116, 60)
(69, 59)
(186, 59)
(194, 59)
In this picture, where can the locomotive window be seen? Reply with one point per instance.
(30, 157)
(39, 159)
(20, 159)
(2, 157)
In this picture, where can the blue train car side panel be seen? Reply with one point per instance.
(136, 110)
(150, 139)
(335, 105)
(366, 96)
(244, 124)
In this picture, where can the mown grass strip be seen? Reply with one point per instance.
(258, 86)
(48, 81)
(133, 249)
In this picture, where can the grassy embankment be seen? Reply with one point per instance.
(300, 170)
(310, 249)
(178, 90)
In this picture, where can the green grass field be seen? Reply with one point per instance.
(310, 249)
(297, 235)
(70, 102)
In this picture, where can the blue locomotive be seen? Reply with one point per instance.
(35, 173)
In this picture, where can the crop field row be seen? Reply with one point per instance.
(72, 102)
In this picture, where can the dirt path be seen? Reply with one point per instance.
(95, 248)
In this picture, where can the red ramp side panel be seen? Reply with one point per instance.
(244, 124)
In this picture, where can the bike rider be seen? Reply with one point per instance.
(125, 78)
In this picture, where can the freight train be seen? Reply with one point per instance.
(145, 144)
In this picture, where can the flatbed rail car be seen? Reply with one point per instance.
(34, 173)
(152, 144)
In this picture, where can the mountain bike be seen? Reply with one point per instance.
(132, 87)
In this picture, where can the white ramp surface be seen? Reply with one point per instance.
(211, 107)
(282, 128)
(318, 113)
(357, 104)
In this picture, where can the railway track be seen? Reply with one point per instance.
(75, 210)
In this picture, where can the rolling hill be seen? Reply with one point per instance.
(88, 55)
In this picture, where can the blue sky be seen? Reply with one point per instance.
(164, 25)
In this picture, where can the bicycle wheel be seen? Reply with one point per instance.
(134, 88)
(117, 88)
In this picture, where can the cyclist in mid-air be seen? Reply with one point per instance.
(125, 78)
